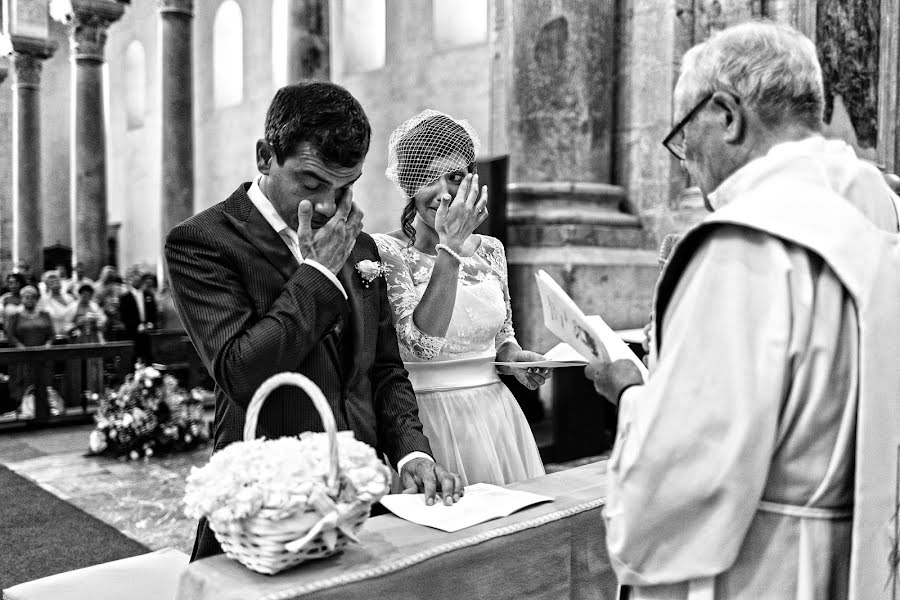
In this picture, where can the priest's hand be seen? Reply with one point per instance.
(429, 477)
(611, 378)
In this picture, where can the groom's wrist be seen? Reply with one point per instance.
(327, 273)
(412, 455)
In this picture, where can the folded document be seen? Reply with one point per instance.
(589, 336)
(481, 502)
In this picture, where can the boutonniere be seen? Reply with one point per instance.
(370, 270)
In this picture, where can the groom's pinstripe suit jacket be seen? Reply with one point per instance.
(252, 311)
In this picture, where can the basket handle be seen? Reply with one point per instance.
(319, 401)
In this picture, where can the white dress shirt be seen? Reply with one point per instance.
(292, 241)
(262, 204)
(139, 300)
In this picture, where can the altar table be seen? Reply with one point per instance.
(550, 551)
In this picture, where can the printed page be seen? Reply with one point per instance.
(589, 336)
(482, 502)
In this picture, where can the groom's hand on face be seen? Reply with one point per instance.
(331, 244)
(429, 477)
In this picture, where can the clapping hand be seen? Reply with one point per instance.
(332, 244)
(455, 222)
(530, 377)
(423, 475)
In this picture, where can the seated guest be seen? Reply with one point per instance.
(55, 302)
(84, 318)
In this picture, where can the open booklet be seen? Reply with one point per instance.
(587, 335)
(482, 502)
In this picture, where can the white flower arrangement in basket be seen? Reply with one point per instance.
(273, 504)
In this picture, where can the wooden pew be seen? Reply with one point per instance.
(173, 352)
(41, 360)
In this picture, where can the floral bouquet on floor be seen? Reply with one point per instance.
(273, 504)
(148, 414)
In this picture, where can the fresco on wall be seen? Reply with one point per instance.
(847, 37)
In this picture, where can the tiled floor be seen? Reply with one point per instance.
(142, 499)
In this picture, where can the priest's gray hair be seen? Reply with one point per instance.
(769, 67)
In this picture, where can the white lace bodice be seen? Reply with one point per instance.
(482, 318)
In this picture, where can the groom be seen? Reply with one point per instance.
(266, 282)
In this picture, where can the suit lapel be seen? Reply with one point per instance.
(254, 228)
(353, 335)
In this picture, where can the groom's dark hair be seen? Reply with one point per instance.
(323, 114)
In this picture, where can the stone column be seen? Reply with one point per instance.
(6, 222)
(87, 36)
(308, 40)
(26, 149)
(176, 59)
(555, 79)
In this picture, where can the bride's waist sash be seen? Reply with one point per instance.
(433, 376)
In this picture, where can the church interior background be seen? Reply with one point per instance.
(134, 115)
(119, 119)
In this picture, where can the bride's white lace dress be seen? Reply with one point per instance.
(472, 420)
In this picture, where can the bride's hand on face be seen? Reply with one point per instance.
(455, 222)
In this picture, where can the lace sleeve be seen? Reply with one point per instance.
(496, 258)
(403, 298)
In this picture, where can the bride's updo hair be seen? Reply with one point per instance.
(413, 148)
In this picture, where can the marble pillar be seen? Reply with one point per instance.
(6, 222)
(87, 36)
(26, 149)
(177, 203)
(308, 40)
(555, 79)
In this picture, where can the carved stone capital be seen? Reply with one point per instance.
(176, 7)
(88, 27)
(28, 71)
(28, 54)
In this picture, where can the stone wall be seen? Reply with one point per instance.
(417, 75)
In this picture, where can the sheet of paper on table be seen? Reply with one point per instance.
(481, 502)
(586, 335)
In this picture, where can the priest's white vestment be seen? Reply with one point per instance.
(737, 472)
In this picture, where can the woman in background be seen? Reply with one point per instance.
(55, 302)
(11, 301)
(30, 327)
(85, 319)
(448, 291)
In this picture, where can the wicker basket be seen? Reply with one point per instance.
(268, 545)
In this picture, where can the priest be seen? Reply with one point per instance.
(759, 460)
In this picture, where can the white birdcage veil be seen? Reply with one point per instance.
(427, 146)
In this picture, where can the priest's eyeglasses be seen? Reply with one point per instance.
(674, 142)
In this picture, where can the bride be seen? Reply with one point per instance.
(448, 290)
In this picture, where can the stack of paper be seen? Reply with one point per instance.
(481, 502)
